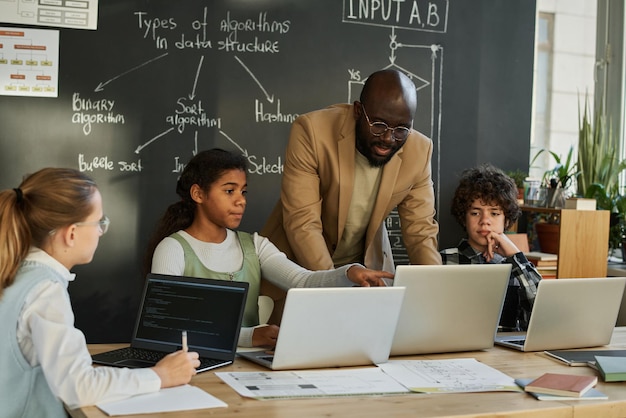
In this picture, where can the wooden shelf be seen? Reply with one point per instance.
(583, 241)
(539, 209)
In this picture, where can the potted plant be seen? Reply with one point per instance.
(559, 178)
(600, 168)
(614, 202)
(556, 182)
(598, 159)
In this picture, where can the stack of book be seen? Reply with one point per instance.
(612, 369)
(585, 357)
(544, 262)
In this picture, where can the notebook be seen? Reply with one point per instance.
(449, 308)
(334, 326)
(570, 313)
(210, 311)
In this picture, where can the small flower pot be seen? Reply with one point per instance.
(548, 237)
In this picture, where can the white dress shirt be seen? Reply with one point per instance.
(46, 335)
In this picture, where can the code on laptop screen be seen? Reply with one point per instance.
(209, 314)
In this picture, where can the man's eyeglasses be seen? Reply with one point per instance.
(399, 133)
(103, 224)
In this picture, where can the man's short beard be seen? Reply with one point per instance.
(366, 152)
(376, 163)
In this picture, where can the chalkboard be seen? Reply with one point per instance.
(159, 80)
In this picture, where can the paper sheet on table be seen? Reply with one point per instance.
(180, 398)
(448, 376)
(312, 383)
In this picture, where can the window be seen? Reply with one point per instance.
(542, 92)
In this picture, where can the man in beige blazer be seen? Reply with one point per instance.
(346, 168)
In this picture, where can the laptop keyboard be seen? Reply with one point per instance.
(149, 356)
(127, 353)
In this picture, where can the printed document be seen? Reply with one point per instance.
(312, 383)
(448, 376)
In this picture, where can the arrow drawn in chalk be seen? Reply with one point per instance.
(101, 85)
(195, 82)
(267, 96)
(140, 147)
(243, 151)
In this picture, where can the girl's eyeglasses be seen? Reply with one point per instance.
(103, 224)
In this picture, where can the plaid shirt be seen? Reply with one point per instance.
(520, 295)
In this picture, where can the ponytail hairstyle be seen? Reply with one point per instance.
(47, 200)
(204, 169)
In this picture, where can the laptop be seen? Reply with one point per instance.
(449, 308)
(621, 316)
(570, 313)
(332, 327)
(210, 311)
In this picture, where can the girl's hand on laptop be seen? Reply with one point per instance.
(177, 368)
(366, 277)
(265, 336)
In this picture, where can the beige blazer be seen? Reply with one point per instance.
(317, 184)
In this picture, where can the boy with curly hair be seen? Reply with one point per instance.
(485, 204)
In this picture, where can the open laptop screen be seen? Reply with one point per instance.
(209, 310)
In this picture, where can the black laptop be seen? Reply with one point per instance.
(210, 311)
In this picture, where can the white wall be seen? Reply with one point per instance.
(573, 64)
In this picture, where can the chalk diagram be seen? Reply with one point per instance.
(188, 112)
(422, 62)
(188, 116)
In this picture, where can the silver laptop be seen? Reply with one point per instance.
(570, 313)
(449, 308)
(621, 316)
(210, 311)
(334, 326)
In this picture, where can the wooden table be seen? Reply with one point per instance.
(494, 404)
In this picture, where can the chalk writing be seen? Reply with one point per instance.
(104, 163)
(256, 33)
(394, 230)
(88, 112)
(130, 166)
(178, 166)
(263, 167)
(231, 44)
(153, 24)
(79, 104)
(428, 16)
(191, 43)
(191, 114)
(96, 162)
(250, 25)
(277, 116)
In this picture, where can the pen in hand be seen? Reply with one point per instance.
(185, 347)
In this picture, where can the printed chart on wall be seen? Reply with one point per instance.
(78, 14)
(29, 62)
